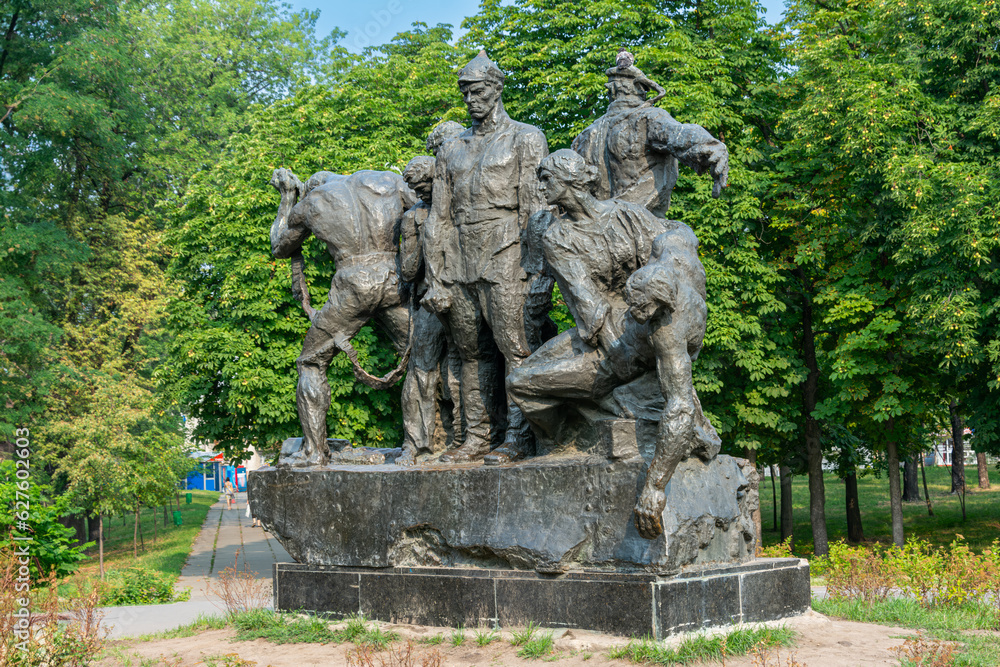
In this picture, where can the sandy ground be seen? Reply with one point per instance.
(821, 642)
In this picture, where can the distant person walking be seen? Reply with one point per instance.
(256, 521)
(230, 494)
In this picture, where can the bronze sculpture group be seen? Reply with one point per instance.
(457, 259)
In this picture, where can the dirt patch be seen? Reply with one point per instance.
(822, 642)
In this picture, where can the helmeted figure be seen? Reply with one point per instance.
(636, 146)
(485, 189)
(434, 394)
(357, 217)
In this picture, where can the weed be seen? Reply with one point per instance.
(282, 629)
(433, 641)
(740, 641)
(458, 636)
(367, 655)
(521, 637)
(57, 631)
(485, 637)
(228, 660)
(358, 631)
(537, 647)
(137, 584)
(242, 589)
(926, 652)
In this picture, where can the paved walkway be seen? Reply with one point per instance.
(224, 534)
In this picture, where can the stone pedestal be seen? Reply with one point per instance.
(626, 604)
(547, 514)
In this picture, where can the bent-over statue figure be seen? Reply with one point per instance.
(357, 217)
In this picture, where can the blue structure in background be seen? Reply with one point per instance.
(210, 474)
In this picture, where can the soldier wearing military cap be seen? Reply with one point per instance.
(485, 188)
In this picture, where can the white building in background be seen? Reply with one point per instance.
(940, 454)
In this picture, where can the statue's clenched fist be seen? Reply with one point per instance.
(285, 182)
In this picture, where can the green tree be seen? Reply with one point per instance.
(236, 330)
(876, 165)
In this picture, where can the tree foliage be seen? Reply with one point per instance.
(236, 330)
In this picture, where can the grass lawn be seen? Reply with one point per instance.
(172, 546)
(982, 524)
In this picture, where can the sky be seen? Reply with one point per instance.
(370, 22)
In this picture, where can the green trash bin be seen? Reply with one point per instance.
(187, 498)
(178, 520)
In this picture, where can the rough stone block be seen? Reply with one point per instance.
(547, 514)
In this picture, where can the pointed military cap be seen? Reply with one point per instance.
(481, 68)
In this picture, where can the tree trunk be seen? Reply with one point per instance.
(957, 449)
(152, 512)
(92, 533)
(774, 499)
(166, 518)
(895, 491)
(927, 496)
(984, 470)
(135, 534)
(75, 522)
(787, 516)
(100, 542)
(855, 531)
(911, 488)
(752, 457)
(814, 446)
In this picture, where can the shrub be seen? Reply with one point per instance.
(137, 585)
(951, 576)
(59, 632)
(53, 549)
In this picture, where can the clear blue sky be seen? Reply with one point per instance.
(376, 21)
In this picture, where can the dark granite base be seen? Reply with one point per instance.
(632, 605)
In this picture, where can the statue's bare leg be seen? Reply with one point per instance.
(676, 431)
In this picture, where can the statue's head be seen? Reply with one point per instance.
(419, 175)
(444, 132)
(562, 172)
(481, 83)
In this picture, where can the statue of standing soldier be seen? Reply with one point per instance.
(485, 189)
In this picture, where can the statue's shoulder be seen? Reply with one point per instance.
(528, 135)
(379, 182)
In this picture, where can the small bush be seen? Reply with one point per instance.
(58, 632)
(779, 550)
(242, 589)
(948, 577)
(366, 655)
(137, 585)
(926, 652)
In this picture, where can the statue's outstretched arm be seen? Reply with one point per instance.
(692, 145)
